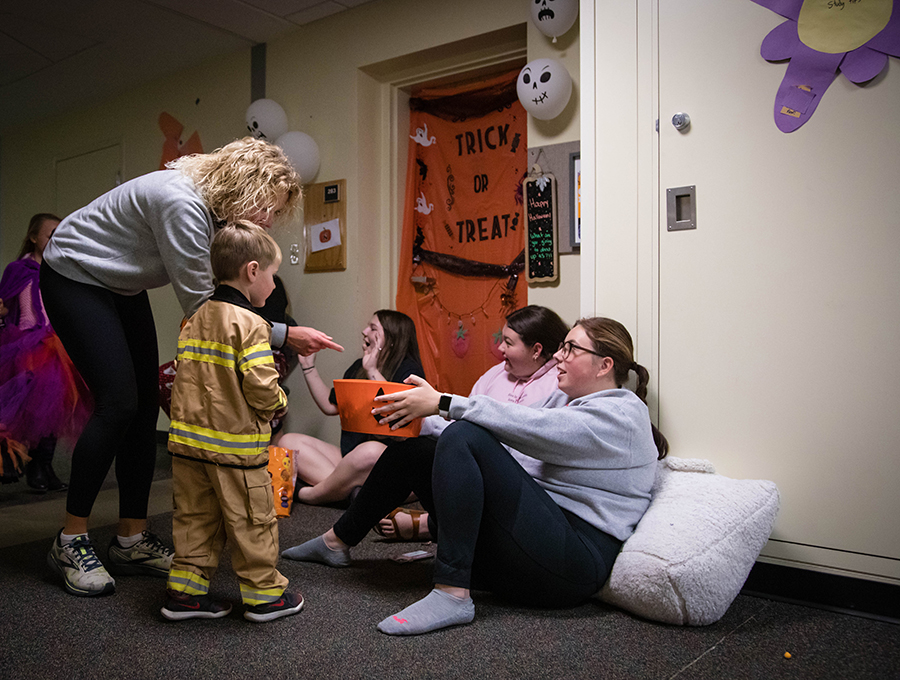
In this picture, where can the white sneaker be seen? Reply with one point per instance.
(82, 572)
(147, 557)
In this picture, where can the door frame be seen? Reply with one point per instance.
(619, 258)
(384, 126)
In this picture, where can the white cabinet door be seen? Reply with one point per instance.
(779, 315)
(82, 178)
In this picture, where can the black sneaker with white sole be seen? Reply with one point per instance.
(287, 604)
(148, 557)
(181, 606)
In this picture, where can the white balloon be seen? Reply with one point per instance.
(303, 153)
(266, 120)
(544, 87)
(554, 17)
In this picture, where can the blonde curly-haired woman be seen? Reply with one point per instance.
(146, 233)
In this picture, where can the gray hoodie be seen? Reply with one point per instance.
(594, 455)
(143, 234)
(150, 231)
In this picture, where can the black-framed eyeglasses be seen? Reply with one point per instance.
(567, 347)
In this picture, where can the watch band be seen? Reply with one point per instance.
(444, 406)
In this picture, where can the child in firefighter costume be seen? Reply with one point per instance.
(225, 394)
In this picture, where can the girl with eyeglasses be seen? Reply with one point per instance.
(531, 503)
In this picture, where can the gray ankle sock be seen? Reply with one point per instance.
(436, 610)
(315, 550)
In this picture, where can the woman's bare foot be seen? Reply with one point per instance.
(401, 526)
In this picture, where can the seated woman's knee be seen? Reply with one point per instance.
(461, 434)
(364, 456)
(293, 441)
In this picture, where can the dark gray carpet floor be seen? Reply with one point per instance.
(46, 633)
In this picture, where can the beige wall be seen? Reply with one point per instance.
(320, 75)
(211, 99)
(316, 75)
(561, 295)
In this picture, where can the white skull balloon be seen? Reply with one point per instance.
(554, 17)
(266, 120)
(544, 87)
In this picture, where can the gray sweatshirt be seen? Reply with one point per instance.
(150, 231)
(593, 455)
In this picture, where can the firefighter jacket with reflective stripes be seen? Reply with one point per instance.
(226, 385)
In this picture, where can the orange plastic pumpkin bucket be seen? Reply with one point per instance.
(355, 401)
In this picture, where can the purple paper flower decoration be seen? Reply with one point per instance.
(851, 36)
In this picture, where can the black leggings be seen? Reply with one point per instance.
(404, 467)
(111, 339)
(496, 528)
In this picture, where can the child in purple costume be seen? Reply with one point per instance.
(42, 396)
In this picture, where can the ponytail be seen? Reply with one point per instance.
(662, 444)
(611, 339)
(643, 376)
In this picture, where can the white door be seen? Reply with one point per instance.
(779, 315)
(82, 178)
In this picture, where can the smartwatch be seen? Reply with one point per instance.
(444, 406)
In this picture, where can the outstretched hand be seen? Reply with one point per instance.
(305, 341)
(404, 407)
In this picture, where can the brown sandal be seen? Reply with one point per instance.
(414, 515)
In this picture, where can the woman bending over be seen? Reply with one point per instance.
(390, 348)
(146, 233)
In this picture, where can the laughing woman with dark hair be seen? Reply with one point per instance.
(390, 348)
(527, 374)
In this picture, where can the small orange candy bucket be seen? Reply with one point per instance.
(355, 401)
(281, 469)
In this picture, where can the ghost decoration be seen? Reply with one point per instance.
(303, 153)
(554, 17)
(266, 120)
(544, 87)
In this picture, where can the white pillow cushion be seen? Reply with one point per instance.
(694, 547)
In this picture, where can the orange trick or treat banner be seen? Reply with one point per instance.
(463, 225)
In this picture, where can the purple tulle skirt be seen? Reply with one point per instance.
(41, 392)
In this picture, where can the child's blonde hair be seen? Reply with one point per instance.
(242, 178)
(238, 243)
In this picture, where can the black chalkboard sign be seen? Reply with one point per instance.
(540, 236)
